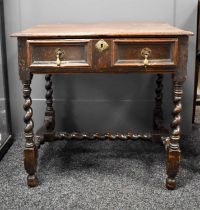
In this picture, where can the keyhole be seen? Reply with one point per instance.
(101, 45)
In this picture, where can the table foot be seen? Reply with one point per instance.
(32, 180)
(173, 163)
(170, 184)
(30, 164)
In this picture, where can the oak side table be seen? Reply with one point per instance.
(131, 47)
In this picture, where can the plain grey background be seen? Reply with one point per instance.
(98, 102)
(3, 117)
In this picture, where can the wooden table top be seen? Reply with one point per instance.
(116, 29)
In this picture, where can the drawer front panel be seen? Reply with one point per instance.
(59, 53)
(128, 52)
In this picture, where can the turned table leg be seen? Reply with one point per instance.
(158, 112)
(49, 119)
(30, 150)
(173, 150)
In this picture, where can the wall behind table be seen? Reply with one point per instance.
(98, 102)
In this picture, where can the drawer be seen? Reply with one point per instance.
(85, 55)
(59, 53)
(150, 51)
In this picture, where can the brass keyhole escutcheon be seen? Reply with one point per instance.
(59, 55)
(101, 45)
(145, 52)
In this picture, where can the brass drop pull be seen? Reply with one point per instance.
(145, 54)
(146, 62)
(59, 54)
(58, 59)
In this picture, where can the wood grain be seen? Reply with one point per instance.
(113, 29)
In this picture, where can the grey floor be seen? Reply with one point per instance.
(101, 175)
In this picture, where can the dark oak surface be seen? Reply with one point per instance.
(149, 48)
(103, 29)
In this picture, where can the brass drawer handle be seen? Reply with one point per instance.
(101, 45)
(145, 52)
(59, 55)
